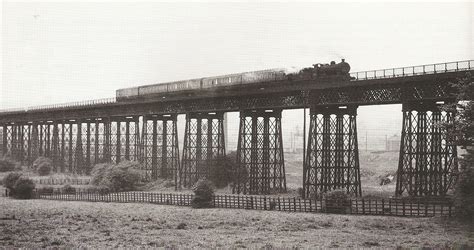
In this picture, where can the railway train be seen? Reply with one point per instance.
(332, 71)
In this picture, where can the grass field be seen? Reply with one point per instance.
(373, 166)
(44, 223)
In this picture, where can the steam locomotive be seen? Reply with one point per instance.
(323, 71)
(319, 72)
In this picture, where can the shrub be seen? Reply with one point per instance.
(300, 192)
(24, 188)
(103, 190)
(18, 168)
(43, 165)
(464, 189)
(337, 201)
(98, 189)
(68, 189)
(238, 173)
(7, 165)
(98, 173)
(44, 169)
(221, 171)
(10, 180)
(203, 194)
(122, 177)
(118, 179)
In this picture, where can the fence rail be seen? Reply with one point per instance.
(359, 206)
(59, 181)
(414, 70)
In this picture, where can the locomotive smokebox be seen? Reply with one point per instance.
(345, 67)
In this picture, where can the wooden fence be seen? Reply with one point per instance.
(391, 207)
(61, 181)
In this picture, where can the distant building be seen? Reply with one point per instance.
(392, 143)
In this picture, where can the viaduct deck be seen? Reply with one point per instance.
(388, 87)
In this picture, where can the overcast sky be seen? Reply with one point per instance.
(59, 52)
(62, 52)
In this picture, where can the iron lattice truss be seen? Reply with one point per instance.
(332, 158)
(160, 156)
(73, 145)
(428, 158)
(203, 145)
(261, 168)
(124, 139)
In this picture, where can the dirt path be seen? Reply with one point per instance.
(42, 223)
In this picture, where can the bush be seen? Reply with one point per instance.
(98, 173)
(122, 177)
(98, 189)
(18, 168)
(24, 188)
(44, 169)
(10, 180)
(300, 192)
(203, 194)
(239, 172)
(68, 189)
(7, 165)
(337, 201)
(102, 190)
(43, 165)
(464, 189)
(221, 171)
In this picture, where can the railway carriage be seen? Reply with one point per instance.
(315, 73)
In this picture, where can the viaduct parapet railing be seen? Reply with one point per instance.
(86, 103)
(435, 68)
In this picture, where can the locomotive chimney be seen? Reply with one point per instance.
(343, 60)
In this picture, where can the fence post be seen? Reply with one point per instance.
(265, 203)
(350, 205)
(383, 206)
(403, 207)
(418, 208)
(426, 208)
(363, 206)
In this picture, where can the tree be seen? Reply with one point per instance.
(462, 129)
